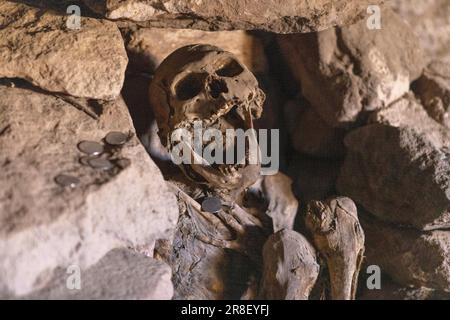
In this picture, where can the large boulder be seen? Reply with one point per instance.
(433, 88)
(120, 275)
(45, 226)
(313, 179)
(346, 72)
(290, 16)
(409, 257)
(430, 21)
(290, 267)
(392, 291)
(310, 135)
(409, 113)
(36, 45)
(398, 167)
(148, 47)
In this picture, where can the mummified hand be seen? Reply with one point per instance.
(339, 238)
(249, 233)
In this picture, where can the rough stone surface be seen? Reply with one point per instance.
(120, 274)
(314, 179)
(147, 48)
(392, 291)
(390, 162)
(44, 226)
(408, 256)
(36, 45)
(310, 134)
(345, 72)
(135, 94)
(409, 113)
(271, 15)
(433, 88)
(430, 20)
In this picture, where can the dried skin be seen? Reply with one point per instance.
(215, 256)
(283, 205)
(339, 238)
(290, 267)
(204, 83)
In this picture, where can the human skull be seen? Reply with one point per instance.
(205, 83)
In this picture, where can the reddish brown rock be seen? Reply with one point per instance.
(409, 257)
(348, 71)
(149, 47)
(276, 16)
(433, 89)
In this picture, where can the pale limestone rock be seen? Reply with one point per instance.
(36, 45)
(289, 16)
(120, 275)
(44, 226)
(430, 21)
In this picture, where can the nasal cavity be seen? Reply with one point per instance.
(216, 87)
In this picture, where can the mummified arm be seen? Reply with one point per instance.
(290, 267)
(339, 238)
(282, 204)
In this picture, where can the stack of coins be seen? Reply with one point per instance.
(93, 157)
(65, 180)
(211, 204)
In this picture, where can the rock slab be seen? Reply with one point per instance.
(433, 88)
(44, 226)
(37, 45)
(398, 167)
(430, 21)
(409, 257)
(148, 47)
(290, 16)
(120, 275)
(346, 72)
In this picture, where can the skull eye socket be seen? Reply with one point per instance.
(216, 87)
(188, 87)
(230, 68)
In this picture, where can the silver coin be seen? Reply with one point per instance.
(85, 160)
(90, 147)
(65, 180)
(212, 204)
(116, 138)
(100, 163)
